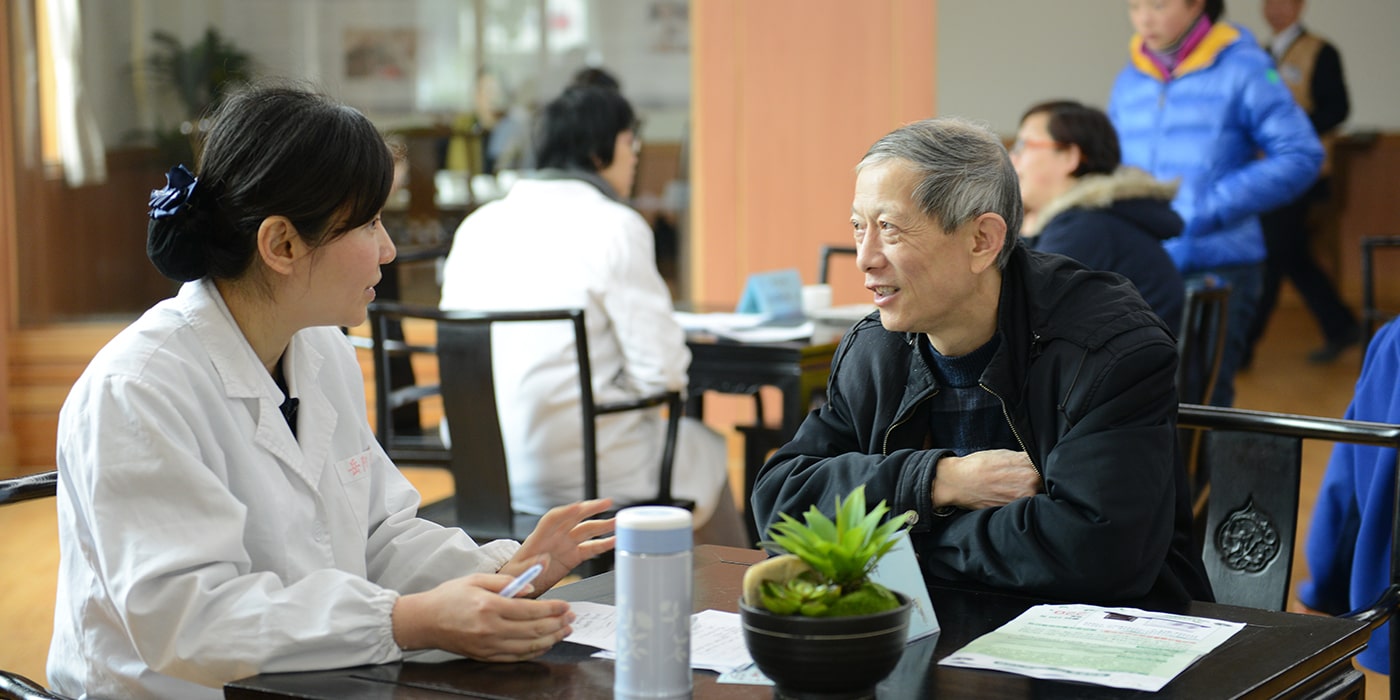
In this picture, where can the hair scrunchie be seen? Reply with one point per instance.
(170, 245)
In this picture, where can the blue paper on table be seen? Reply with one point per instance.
(776, 294)
(899, 571)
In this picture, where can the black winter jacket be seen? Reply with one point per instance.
(1085, 374)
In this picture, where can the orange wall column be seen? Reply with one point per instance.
(7, 242)
(786, 97)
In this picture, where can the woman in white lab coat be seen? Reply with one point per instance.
(566, 238)
(223, 506)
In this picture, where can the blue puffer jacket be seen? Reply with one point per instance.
(1206, 127)
(1348, 548)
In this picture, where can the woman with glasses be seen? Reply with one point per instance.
(566, 238)
(1080, 203)
(1199, 103)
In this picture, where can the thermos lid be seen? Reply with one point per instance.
(654, 530)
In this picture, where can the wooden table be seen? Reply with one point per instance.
(1276, 655)
(798, 369)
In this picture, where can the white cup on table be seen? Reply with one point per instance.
(815, 298)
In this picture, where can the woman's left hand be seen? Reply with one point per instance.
(563, 539)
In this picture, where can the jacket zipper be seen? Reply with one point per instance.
(885, 448)
(1006, 414)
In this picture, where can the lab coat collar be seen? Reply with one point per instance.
(244, 377)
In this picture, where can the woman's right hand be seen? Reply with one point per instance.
(468, 616)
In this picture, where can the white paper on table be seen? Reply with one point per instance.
(745, 327)
(595, 625)
(1116, 647)
(748, 675)
(716, 322)
(716, 637)
(844, 314)
(770, 334)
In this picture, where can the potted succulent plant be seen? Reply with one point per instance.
(813, 620)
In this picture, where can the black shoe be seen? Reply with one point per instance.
(1329, 352)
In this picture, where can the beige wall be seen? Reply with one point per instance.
(991, 69)
(786, 97)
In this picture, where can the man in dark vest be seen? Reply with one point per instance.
(1312, 69)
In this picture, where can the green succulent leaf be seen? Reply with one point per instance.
(841, 552)
(800, 595)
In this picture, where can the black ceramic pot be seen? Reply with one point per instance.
(826, 657)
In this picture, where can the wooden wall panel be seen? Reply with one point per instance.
(44, 363)
(1367, 187)
(786, 97)
(82, 251)
(8, 227)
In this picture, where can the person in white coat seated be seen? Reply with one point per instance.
(223, 507)
(565, 238)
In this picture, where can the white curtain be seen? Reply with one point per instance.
(79, 140)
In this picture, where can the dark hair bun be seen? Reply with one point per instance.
(177, 239)
(177, 248)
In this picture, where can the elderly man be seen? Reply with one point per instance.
(1020, 406)
(1312, 70)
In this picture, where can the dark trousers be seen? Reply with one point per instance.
(1245, 282)
(1286, 238)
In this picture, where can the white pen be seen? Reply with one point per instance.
(519, 583)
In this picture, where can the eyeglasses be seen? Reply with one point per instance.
(636, 129)
(1022, 144)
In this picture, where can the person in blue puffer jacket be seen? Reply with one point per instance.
(1348, 549)
(1201, 104)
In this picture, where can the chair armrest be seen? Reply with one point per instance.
(675, 408)
(399, 347)
(13, 685)
(412, 394)
(634, 404)
(1378, 612)
(24, 488)
(361, 341)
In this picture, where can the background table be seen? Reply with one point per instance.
(798, 369)
(1276, 655)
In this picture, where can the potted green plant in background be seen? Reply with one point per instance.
(197, 77)
(813, 620)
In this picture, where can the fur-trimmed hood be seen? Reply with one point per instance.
(1103, 191)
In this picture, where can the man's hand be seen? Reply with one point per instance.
(985, 479)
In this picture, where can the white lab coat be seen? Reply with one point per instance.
(201, 542)
(562, 243)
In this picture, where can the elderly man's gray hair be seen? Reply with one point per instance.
(964, 172)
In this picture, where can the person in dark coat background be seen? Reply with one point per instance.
(1082, 204)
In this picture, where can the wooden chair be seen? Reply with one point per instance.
(398, 394)
(398, 420)
(1372, 317)
(1201, 342)
(824, 263)
(1256, 462)
(482, 504)
(23, 488)
(1200, 346)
